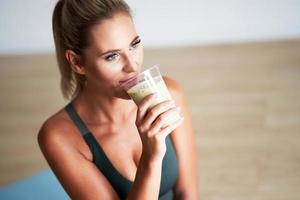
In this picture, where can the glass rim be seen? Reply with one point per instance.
(156, 66)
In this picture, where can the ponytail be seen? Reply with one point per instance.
(66, 84)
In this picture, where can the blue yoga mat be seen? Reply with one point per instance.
(42, 185)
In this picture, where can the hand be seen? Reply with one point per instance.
(150, 121)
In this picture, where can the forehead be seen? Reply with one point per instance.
(115, 32)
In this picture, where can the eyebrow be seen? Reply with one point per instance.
(114, 50)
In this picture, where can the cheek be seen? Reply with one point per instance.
(106, 73)
(100, 72)
(139, 56)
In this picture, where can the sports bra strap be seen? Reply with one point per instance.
(76, 119)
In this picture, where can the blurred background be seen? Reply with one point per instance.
(238, 62)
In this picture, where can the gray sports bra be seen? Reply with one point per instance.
(122, 185)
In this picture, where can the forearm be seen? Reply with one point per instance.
(147, 181)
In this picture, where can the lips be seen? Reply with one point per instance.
(128, 83)
(127, 80)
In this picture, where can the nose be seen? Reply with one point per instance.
(129, 64)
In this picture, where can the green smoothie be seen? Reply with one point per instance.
(146, 87)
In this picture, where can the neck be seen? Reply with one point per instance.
(99, 108)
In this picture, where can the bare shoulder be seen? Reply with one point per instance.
(183, 139)
(53, 125)
(57, 129)
(63, 147)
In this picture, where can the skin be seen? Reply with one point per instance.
(117, 123)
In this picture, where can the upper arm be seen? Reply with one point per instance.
(79, 177)
(183, 139)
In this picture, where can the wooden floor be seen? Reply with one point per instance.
(244, 100)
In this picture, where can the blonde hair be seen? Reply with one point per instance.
(71, 22)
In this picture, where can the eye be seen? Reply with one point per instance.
(136, 44)
(111, 57)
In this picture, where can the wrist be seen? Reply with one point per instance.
(151, 161)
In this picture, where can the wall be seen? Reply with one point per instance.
(25, 26)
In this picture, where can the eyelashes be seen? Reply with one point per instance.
(135, 44)
(111, 57)
(114, 56)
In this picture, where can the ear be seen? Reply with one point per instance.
(75, 62)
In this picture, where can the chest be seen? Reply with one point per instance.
(117, 157)
(122, 147)
(123, 183)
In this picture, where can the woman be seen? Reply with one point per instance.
(102, 145)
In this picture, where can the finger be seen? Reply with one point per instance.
(163, 119)
(144, 105)
(158, 109)
(167, 130)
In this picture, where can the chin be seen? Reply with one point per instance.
(123, 95)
